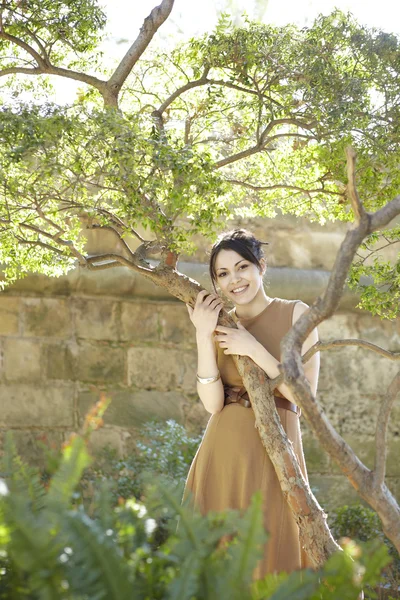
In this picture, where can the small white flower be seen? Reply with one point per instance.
(3, 488)
(150, 525)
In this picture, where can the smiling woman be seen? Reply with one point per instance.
(231, 463)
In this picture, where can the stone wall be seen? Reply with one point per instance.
(58, 353)
(64, 340)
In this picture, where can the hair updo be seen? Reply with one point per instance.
(241, 241)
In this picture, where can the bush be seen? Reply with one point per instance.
(163, 448)
(362, 524)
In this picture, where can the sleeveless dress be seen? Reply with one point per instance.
(231, 462)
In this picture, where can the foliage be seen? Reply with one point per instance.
(362, 524)
(244, 121)
(52, 549)
(162, 449)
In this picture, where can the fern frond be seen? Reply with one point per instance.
(96, 567)
(75, 459)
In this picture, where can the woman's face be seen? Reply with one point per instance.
(233, 271)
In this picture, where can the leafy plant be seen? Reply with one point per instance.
(52, 549)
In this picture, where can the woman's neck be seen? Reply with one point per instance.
(253, 308)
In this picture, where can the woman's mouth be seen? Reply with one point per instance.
(241, 290)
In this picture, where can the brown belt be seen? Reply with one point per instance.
(240, 395)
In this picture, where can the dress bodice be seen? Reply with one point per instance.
(268, 327)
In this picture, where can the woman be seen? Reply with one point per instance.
(231, 462)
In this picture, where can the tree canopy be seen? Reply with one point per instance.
(244, 121)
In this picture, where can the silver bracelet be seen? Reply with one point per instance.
(208, 379)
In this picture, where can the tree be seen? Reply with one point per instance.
(244, 120)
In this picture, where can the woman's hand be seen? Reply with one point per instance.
(205, 313)
(236, 341)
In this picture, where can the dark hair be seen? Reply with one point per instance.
(241, 241)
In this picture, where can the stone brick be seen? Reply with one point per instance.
(130, 408)
(333, 491)
(100, 363)
(162, 368)
(393, 484)
(375, 373)
(9, 315)
(61, 360)
(97, 319)
(175, 325)
(106, 437)
(30, 444)
(317, 460)
(47, 317)
(21, 360)
(139, 321)
(195, 415)
(339, 326)
(27, 405)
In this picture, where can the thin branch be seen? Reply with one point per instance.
(116, 233)
(13, 39)
(264, 140)
(321, 346)
(260, 188)
(184, 88)
(381, 430)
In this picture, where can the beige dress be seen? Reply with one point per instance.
(231, 462)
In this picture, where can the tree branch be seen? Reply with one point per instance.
(151, 24)
(323, 307)
(263, 141)
(261, 188)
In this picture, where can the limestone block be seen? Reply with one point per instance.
(175, 325)
(393, 483)
(47, 317)
(339, 370)
(9, 315)
(129, 408)
(339, 326)
(139, 321)
(195, 415)
(376, 373)
(100, 362)
(30, 444)
(302, 250)
(97, 319)
(26, 405)
(61, 360)
(106, 437)
(333, 491)
(162, 368)
(317, 460)
(381, 332)
(22, 360)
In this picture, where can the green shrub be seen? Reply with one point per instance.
(363, 524)
(162, 448)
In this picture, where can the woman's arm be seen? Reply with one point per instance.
(269, 364)
(211, 394)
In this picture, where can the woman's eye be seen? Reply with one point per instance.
(241, 266)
